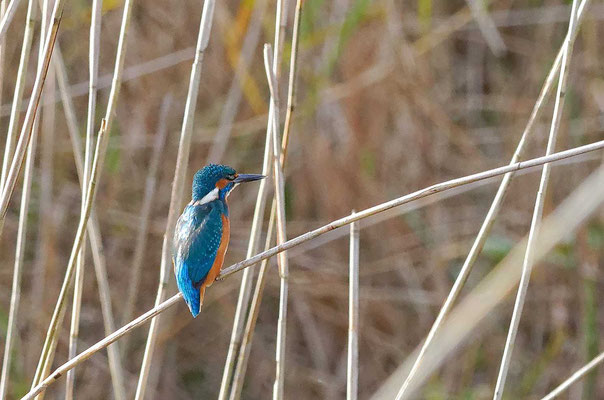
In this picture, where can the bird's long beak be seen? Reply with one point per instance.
(241, 178)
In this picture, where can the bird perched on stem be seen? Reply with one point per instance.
(202, 232)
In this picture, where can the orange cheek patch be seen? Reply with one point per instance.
(222, 183)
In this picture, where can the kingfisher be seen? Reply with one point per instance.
(202, 232)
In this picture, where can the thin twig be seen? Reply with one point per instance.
(252, 317)
(463, 322)
(437, 188)
(243, 301)
(7, 17)
(93, 67)
(26, 130)
(148, 197)
(19, 255)
(487, 224)
(579, 374)
(352, 381)
(94, 235)
(20, 247)
(83, 356)
(246, 340)
(527, 264)
(234, 95)
(18, 268)
(178, 185)
(118, 69)
(278, 180)
(59, 312)
(487, 26)
(13, 124)
(419, 194)
(50, 343)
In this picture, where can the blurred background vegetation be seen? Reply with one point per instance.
(394, 95)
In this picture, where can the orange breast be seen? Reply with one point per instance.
(224, 244)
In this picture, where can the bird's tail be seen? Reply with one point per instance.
(193, 301)
(192, 294)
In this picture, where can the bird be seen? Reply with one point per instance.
(202, 232)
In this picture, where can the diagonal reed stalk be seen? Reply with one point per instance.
(352, 381)
(93, 67)
(19, 255)
(7, 17)
(21, 241)
(143, 228)
(13, 124)
(182, 161)
(419, 194)
(487, 27)
(527, 264)
(279, 183)
(243, 301)
(50, 342)
(94, 236)
(26, 130)
(248, 332)
(225, 273)
(480, 303)
(493, 210)
(59, 311)
(19, 249)
(579, 374)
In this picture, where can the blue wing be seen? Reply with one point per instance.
(196, 242)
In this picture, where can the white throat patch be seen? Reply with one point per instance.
(213, 195)
(230, 191)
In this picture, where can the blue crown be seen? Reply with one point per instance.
(205, 179)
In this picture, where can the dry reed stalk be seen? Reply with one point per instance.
(148, 197)
(487, 27)
(279, 183)
(7, 17)
(118, 70)
(494, 208)
(29, 167)
(13, 124)
(26, 130)
(2, 52)
(19, 249)
(352, 381)
(246, 279)
(93, 68)
(582, 203)
(94, 236)
(19, 255)
(50, 341)
(243, 301)
(579, 374)
(527, 264)
(234, 95)
(18, 266)
(101, 345)
(182, 161)
(419, 194)
(248, 332)
(250, 323)
(425, 192)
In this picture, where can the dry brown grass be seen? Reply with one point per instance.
(393, 96)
